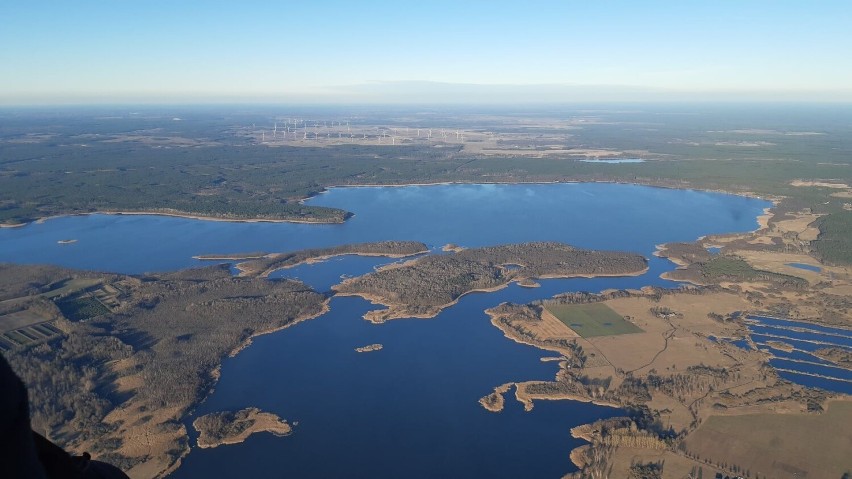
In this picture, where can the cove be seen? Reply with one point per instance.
(411, 408)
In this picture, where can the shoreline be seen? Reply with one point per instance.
(320, 259)
(494, 318)
(747, 194)
(394, 311)
(261, 422)
(175, 214)
(248, 341)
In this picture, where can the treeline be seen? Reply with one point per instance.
(167, 338)
(734, 269)
(218, 426)
(653, 293)
(834, 243)
(70, 384)
(429, 283)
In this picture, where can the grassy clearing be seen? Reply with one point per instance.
(590, 320)
(71, 286)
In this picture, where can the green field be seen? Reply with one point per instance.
(590, 320)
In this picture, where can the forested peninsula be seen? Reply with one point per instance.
(114, 362)
(423, 287)
(265, 264)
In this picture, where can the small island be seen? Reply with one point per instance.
(494, 402)
(368, 348)
(452, 248)
(227, 427)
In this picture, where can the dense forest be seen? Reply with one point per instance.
(428, 284)
(724, 268)
(150, 359)
(229, 427)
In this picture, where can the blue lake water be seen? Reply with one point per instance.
(808, 267)
(822, 370)
(322, 276)
(602, 216)
(787, 323)
(410, 408)
(803, 335)
(801, 366)
(817, 382)
(796, 355)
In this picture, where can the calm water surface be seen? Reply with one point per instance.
(808, 267)
(410, 408)
(801, 366)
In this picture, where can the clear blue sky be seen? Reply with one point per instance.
(116, 50)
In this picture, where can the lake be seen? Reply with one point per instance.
(411, 408)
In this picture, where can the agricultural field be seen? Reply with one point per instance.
(27, 335)
(755, 442)
(591, 320)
